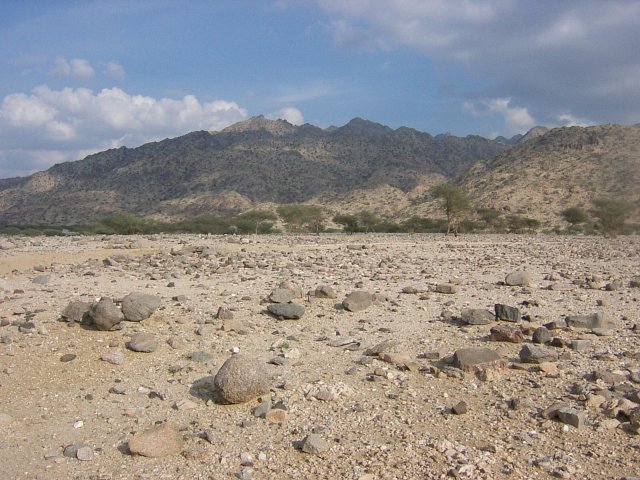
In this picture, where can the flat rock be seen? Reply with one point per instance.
(282, 295)
(541, 335)
(160, 441)
(357, 301)
(503, 333)
(241, 378)
(325, 291)
(139, 306)
(518, 278)
(143, 342)
(446, 288)
(105, 314)
(116, 356)
(477, 316)
(594, 320)
(75, 311)
(395, 358)
(314, 444)
(289, 311)
(475, 359)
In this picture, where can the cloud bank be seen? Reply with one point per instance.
(68, 124)
(555, 61)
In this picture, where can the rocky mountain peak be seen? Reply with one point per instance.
(261, 123)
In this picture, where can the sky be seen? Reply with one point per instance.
(80, 76)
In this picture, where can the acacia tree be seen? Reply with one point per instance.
(454, 202)
(349, 222)
(298, 216)
(612, 213)
(575, 215)
(260, 219)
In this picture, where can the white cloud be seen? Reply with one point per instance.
(516, 119)
(574, 56)
(115, 70)
(290, 114)
(58, 125)
(77, 68)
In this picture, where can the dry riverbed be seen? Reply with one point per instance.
(415, 377)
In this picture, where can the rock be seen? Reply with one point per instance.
(75, 311)
(594, 320)
(446, 288)
(139, 306)
(224, 314)
(580, 345)
(115, 357)
(384, 346)
(518, 278)
(634, 282)
(282, 295)
(143, 342)
(160, 441)
(570, 416)
(505, 312)
(410, 290)
(475, 359)
(502, 333)
(534, 354)
(325, 291)
(541, 335)
(105, 314)
(41, 280)
(241, 378)
(276, 415)
(67, 357)
(357, 301)
(314, 444)
(290, 311)
(231, 325)
(395, 358)
(614, 285)
(477, 316)
(84, 453)
(460, 408)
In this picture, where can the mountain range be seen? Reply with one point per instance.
(258, 163)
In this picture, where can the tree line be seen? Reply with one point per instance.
(608, 216)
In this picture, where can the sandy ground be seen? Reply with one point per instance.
(381, 420)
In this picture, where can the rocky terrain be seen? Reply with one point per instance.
(358, 357)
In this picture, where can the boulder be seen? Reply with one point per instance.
(594, 320)
(477, 316)
(241, 378)
(507, 313)
(503, 333)
(518, 278)
(143, 342)
(325, 291)
(535, 354)
(289, 311)
(139, 306)
(475, 359)
(105, 314)
(281, 295)
(75, 311)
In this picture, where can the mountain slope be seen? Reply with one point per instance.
(565, 167)
(250, 163)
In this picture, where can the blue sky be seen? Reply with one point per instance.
(78, 77)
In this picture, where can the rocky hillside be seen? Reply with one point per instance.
(252, 163)
(565, 167)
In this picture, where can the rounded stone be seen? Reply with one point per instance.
(241, 378)
(105, 314)
(139, 306)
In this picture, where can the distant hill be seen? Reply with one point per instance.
(562, 168)
(252, 163)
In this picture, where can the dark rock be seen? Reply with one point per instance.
(357, 301)
(241, 378)
(446, 288)
(475, 359)
(67, 357)
(503, 333)
(314, 444)
(534, 354)
(541, 335)
(291, 311)
(460, 408)
(325, 291)
(139, 306)
(75, 311)
(224, 314)
(505, 312)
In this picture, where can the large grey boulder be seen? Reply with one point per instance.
(594, 320)
(75, 311)
(288, 311)
(476, 359)
(477, 316)
(241, 378)
(105, 314)
(518, 278)
(282, 295)
(536, 354)
(139, 306)
(143, 342)
(507, 313)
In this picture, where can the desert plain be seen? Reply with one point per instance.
(422, 380)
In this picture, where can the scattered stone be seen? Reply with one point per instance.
(395, 358)
(325, 291)
(595, 320)
(224, 314)
(385, 346)
(518, 278)
(541, 335)
(276, 415)
(143, 342)
(503, 333)
(75, 311)
(446, 288)
(41, 280)
(634, 282)
(476, 359)
(507, 313)
(357, 301)
(159, 441)
(84, 453)
(67, 357)
(105, 314)
(139, 306)
(282, 295)
(232, 325)
(477, 316)
(535, 354)
(241, 378)
(581, 345)
(314, 444)
(410, 290)
(289, 311)
(460, 408)
(614, 285)
(570, 416)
